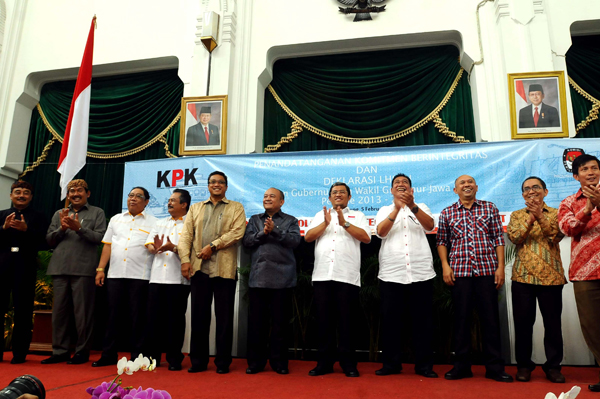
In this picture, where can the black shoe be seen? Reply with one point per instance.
(456, 374)
(554, 375)
(17, 359)
(56, 359)
(320, 371)
(387, 371)
(594, 387)
(427, 373)
(78, 358)
(196, 369)
(174, 367)
(222, 370)
(500, 377)
(352, 373)
(282, 370)
(523, 374)
(253, 370)
(104, 361)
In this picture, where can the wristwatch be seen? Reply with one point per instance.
(347, 224)
(213, 247)
(415, 209)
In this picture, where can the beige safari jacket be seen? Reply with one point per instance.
(232, 230)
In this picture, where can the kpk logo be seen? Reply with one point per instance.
(170, 178)
(569, 156)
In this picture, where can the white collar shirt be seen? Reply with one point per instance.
(166, 267)
(127, 236)
(337, 253)
(405, 256)
(539, 109)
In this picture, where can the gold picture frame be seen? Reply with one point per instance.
(551, 102)
(203, 133)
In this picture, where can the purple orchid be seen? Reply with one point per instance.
(149, 393)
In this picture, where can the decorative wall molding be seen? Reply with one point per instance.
(229, 28)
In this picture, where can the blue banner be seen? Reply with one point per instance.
(499, 168)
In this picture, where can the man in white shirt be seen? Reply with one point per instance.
(405, 277)
(336, 278)
(169, 290)
(128, 274)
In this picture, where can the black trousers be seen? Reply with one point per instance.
(268, 305)
(336, 303)
(418, 297)
(165, 331)
(203, 290)
(18, 275)
(482, 292)
(127, 296)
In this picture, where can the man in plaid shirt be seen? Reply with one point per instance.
(473, 230)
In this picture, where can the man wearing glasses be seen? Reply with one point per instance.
(75, 233)
(128, 275)
(208, 252)
(405, 276)
(537, 274)
(336, 278)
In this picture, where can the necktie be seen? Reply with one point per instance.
(206, 129)
(536, 117)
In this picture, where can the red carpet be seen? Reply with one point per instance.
(70, 381)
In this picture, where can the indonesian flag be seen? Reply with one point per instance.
(74, 147)
(520, 97)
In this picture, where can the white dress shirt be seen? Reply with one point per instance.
(127, 235)
(337, 253)
(405, 256)
(166, 267)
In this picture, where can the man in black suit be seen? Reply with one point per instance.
(203, 133)
(538, 114)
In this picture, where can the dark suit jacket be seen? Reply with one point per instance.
(548, 117)
(195, 136)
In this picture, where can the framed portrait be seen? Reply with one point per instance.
(203, 125)
(538, 105)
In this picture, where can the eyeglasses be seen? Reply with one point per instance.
(216, 182)
(339, 192)
(140, 196)
(534, 188)
(174, 200)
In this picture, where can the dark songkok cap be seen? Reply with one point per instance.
(536, 88)
(205, 110)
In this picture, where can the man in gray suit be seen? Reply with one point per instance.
(75, 233)
(203, 133)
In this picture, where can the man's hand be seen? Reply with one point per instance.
(19, 224)
(73, 222)
(535, 208)
(158, 242)
(269, 225)
(8, 221)
(340, 215)
(327, 216)
(593, 196)
(499, 278)
(407, 197)
(99, 279)
(398, 204)
(64, 215)
(186, 270)
(448, 275)
(167, 246)
(206, 252)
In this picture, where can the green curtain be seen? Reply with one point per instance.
(126, 112)
(583, 67)
(365, 95)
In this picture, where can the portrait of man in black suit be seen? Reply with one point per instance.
(538, 114)
(203, 133)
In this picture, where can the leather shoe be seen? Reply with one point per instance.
(17, 360)
(104, 361)
(427, 373)
(594, 387)
(352, 373)
(78, 358)
(253, 370)
(387, 371)
(174, 367)
(196, 369)
(456, 374)
(554, 375)
(56, 359)
(523, 374)
(222, 370)
(500, 377)
(282, 370)
(317, 371)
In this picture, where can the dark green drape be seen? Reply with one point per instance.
(126, 112)
(583, 67)
(369, 95)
